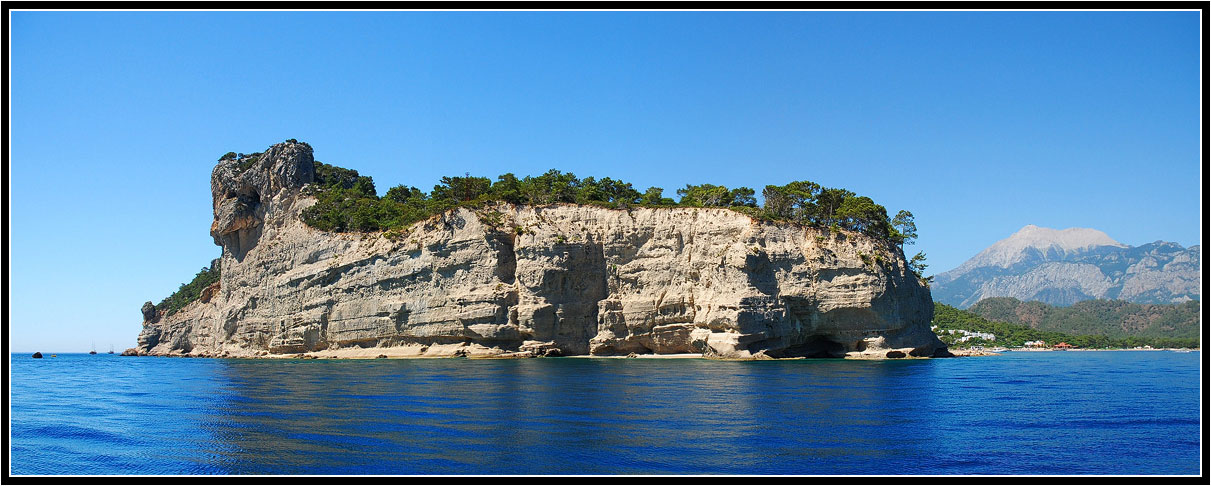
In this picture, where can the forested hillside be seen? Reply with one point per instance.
(1113, 318)
(1015, 335)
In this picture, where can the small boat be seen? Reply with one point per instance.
(111, 349)
(94, 350)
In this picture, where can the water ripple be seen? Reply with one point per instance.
(1020, 413)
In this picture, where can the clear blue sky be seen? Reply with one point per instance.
(979, 123)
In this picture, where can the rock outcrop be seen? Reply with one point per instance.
(149, 312)
(1063, 267)
(537, 281)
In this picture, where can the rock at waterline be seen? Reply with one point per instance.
(38, 355)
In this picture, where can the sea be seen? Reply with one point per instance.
(1019, 413)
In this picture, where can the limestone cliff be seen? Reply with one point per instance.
(548, 280)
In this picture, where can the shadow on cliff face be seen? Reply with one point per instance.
(504, 244)
(574, 290)
(238, 217)
(812, 347)
(762, 272)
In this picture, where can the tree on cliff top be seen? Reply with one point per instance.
(191, 291)
(346, 201)
(905, 226)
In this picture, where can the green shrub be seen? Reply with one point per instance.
(333, 177)
(245, 162)
(347, 201)
(394, 234)
(492, 218)
(189, 292)
(710, 195)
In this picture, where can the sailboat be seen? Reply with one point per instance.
(111, 349)
(94, 351)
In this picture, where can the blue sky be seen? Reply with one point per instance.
(977, 122)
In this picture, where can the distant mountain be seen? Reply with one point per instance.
(1112, 318)
(1062, 267)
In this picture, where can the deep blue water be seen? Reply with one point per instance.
(1018, 413)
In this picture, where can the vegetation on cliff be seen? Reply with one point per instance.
(948, 318)
(243, 161)
(348, 202)
(1114, 318)
(189, 292)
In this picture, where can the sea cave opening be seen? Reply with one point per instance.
(813, 347)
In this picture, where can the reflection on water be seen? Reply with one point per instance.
(567, 416)
(998, 415)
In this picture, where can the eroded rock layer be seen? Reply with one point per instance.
(549, 280)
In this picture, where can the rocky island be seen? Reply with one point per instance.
(518, 280)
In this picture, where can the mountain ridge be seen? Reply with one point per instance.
(1062, 267)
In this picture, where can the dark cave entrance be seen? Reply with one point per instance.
(812, 347)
